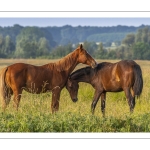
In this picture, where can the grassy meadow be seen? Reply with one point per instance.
(34, 114)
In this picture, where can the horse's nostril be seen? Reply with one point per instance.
(74, 99)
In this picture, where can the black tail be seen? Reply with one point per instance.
(138, 84)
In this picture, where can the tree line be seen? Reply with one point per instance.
(35, 42)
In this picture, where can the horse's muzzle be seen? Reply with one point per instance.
(75, 100)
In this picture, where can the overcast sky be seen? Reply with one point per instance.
(43, 22)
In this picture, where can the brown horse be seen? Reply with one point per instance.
(125, 75)
(40, 79)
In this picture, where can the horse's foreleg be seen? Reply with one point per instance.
(103, 99)
(130, 98)
(55, 99)
(95, 100)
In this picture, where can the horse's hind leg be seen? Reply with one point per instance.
(130, 98)
(17, 97)
(133, 98)
(95, 100)
(6, 98)
(103, 99)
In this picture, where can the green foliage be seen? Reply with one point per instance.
(6, 46)
(141, 51)
(90, 47)
(107, 37)
(31, 43)
(72, 122)
(56, 42)
(61, 51)
(138, 44)
(129, 39)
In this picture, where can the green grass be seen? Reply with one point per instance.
(34, 114)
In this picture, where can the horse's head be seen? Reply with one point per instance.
(85, 58)
(72, 86)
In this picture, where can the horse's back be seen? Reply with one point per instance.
(116, 76)
(19, 70)
(127, 63)
(24, 75)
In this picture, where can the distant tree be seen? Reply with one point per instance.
(100, 52)
(30, 49)
(64, 41)
(1, 41)
(6, 46)
(9, 45)
(2, 47)
(111, 54)
(107, 44)
(141, 51)
(31, 43)
(43, 47)
(91, 47)
(61, 51)
(145, 32)
(129, 39)
(138, 37)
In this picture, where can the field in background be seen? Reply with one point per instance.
(34, 113)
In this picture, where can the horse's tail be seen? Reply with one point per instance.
(3, 88)
(138, 84)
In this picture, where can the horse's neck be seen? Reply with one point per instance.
(67, 64)
(82, 76)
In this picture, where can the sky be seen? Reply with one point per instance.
(74, 21)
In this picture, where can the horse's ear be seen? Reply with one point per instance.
(81, 46)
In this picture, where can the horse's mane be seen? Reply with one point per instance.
(86, 71)
(80, 73)
(64, 63)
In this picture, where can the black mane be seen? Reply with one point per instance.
(81, 73)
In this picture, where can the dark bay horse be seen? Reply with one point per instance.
(40, 79)
(125, 75)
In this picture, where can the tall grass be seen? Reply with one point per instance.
(34, 114)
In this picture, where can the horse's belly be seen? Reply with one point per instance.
(113, 87)
(115, 90)
(35, 91)
(37, 88)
